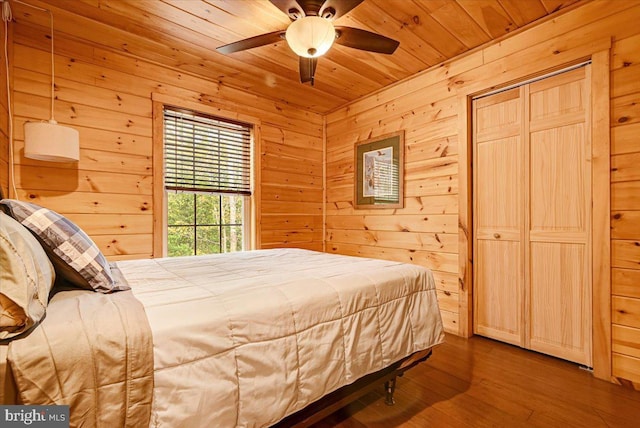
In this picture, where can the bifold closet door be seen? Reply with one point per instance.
(560, 216)
(498, 200)
(532, 216)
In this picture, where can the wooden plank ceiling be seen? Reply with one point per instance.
(183, 34)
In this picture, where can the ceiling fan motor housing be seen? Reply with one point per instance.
(309, 7)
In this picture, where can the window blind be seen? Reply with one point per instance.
(206, 154)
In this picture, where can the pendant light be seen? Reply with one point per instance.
(49, 141)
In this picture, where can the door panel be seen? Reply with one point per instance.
(498, 226)
(497, 163)
(562, 96)
(499, 299)
(559, 301)
(558, 192)
(560, 217)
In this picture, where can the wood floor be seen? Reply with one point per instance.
(478, 382)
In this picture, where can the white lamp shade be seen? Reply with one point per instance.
(48, 141)
(310, 36)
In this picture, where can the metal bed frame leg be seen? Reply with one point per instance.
(390, 387)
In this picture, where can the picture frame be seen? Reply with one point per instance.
(379, 172)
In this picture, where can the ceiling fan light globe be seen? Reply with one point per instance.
(311, 36)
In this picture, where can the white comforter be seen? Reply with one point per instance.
(245, 339)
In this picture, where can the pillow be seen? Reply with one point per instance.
(74, 255)
(26, 277)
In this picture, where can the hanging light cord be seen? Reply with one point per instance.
(52, 120)
(7, 16)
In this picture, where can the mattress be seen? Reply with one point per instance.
(245, 339)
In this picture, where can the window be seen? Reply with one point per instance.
(207, 179)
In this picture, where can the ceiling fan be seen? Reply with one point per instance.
(311, 33)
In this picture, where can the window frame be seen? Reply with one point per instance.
(251, 209)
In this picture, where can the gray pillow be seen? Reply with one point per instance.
(74, 255)
(26, 278)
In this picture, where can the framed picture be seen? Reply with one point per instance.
(380, 172)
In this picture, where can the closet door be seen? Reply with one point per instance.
(559, 286)
(498, 226)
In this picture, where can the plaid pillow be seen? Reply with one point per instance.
(74, 255)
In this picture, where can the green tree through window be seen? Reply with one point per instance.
(204, 223)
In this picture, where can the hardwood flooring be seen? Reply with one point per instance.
(479, 382)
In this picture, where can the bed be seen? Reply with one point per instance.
(248, 339)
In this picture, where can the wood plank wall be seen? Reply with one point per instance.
(427, 107)
(625, 206)
(4, 119)
(107, 96)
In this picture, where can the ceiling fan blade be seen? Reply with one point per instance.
(252, 42)
(337, 8)
(365, 40)
(308, 69)
(287, 5)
